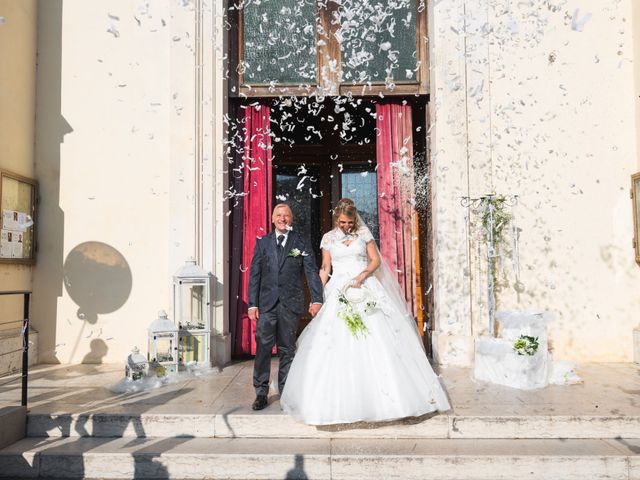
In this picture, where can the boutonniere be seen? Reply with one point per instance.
(296, 253)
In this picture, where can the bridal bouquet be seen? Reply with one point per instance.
(354, 302)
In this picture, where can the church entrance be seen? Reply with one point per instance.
(309, 153)
(314, 165)
(311, 175)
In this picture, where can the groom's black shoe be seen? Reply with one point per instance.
(260, 402)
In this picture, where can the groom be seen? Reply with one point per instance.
(276, 297)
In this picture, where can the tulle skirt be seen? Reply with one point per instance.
(336, 377)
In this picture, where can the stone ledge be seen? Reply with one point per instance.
(283, 426)
(323, 459)
(110, 425)
(257, 425)
(538, 426)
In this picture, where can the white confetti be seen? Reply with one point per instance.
(577, 23)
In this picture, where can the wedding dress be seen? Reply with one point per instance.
(383, 374)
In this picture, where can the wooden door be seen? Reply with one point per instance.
(311, 179)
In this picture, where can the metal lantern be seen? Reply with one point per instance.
(137, 366)
(163, 343)
(192, 312)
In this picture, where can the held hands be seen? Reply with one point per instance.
(314, 308)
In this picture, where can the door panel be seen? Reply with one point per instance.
(311, 180)
(359, 183)
(302, 193)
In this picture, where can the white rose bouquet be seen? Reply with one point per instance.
(354, 302)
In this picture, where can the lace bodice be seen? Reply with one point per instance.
(347, 258)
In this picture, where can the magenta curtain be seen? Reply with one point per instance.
(256, 211)
(396, 187)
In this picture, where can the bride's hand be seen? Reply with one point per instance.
(357, 282)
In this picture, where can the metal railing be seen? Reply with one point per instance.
(26, 294)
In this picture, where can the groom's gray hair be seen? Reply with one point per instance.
(282, 205)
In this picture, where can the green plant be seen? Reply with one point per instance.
(526, 345)
(495, 219)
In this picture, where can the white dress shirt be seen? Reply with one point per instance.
(286, 236)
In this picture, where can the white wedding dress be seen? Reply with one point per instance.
(336, 377)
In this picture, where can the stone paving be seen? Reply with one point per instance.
(203, 427)
(611, 389)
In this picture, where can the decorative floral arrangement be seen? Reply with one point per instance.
(353, 303)
(496, 218)
(526, 345)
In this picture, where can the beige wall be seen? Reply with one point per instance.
(18, 35)
(538, 107)
(636, 66)
(131, 167)
(102, 157)
(124, 154)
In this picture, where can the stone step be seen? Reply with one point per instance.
(213, 458)
(267, 425)
(13, 420)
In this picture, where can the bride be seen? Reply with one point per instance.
(361, 358)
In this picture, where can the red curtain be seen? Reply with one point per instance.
(396, 188)
(256, 212)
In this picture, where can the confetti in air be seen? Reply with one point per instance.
(577, 22)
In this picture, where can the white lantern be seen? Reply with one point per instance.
(163, 343)
(192, 313)
(137, 366)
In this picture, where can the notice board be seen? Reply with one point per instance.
(17, 225)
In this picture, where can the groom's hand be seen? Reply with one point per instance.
(314, 308)
(254, 314)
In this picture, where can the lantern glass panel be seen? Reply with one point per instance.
(193, 305)
(164, 348)
(193, 347)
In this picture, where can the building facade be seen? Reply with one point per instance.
(131, 119)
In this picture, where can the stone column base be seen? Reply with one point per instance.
(221, 349)
(453, 349)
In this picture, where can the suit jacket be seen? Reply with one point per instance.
(270, 280)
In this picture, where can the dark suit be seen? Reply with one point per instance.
(277, 289)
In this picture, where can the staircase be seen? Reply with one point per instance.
(584, 432)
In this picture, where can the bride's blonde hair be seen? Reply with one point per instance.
(346, 206)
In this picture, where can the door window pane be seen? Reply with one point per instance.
(279, 42)
(302, 193)
(378, 40)
(360, 184)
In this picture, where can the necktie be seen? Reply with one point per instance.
(280, 247)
